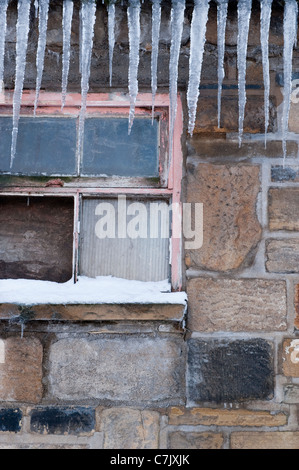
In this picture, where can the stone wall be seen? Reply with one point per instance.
(230, 379)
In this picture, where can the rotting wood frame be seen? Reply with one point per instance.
(114, 104)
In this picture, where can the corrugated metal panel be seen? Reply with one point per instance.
(144, 259)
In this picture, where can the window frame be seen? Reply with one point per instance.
(112, 104)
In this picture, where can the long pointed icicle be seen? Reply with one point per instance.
(156, 23)
(177, 23)
(21, 50)
(197, 43)
(133, 13)
(290, 36)
(222, 7)
(41, 47)
(244, 14)
(68, 8)
(3, 11)
(266, 7)
(88, 15)
(111, 36)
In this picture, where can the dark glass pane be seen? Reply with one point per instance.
(45, 146)
(109, 150)
(36, 238)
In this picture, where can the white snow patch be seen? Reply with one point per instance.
(103, 289)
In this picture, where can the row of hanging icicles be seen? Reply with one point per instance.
(197, 43)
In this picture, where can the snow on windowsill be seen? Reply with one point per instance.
(100, 290)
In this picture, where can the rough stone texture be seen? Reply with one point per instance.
(291, 394)
(290, 357)
(236, 305)
(127, 428)
(10, 420)
(217, 147)
(118, 368)
(254, 121)
(223, 371)
(231, 228)
(195, 440)
(221, 417)
(21, 370)
(282, 174)
(296, 303)
(265, 440)
(284, 209)
(62, 420)
(282, 255)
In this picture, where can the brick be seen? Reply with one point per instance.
(10, 419)
(283, 209)
(128, 428)
(231, 230)
(195, 440)
(265, 440)
(63, 420)
(220, 417)
(21, 370)
(290, 357)
(223, 371)
(282, 255)
(236, 305)
(125, 368)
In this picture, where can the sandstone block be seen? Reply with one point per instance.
(231, 230)
(290, 357)
(221, 417)
(195, 440)
(63, 420)
(265, 440)
(282, 255)
(128, 428)
(283, 209)
(134, 369)
(10, 420)
(223, 371)
(291, 394)
(236, 305)
(254, 121)
(21, 369)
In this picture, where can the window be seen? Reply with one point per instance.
(113, 210)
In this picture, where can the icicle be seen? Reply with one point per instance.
(221, 25)
(133, 13)
(197, 43)
(36, 8)
(21, 50)
(3, 10)
(290, 36)
(88, 15)
(266, 6)
(156, 22)
(244, 14)
(177, 22)
(111, 36)
(68, 8)
(42, 40)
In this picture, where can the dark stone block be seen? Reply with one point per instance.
(279, 173)
(62, 420)
(223, 371)
(10, 420)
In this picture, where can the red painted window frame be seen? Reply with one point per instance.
(113, 104)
